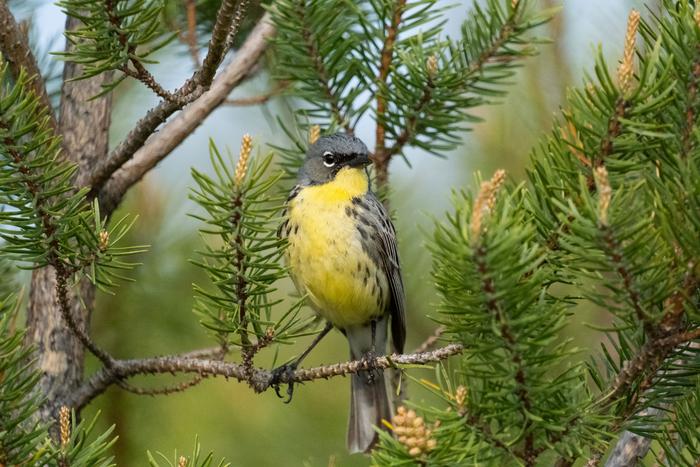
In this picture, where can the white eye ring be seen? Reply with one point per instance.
(328, 163)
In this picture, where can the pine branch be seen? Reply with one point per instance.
(381, 158)
(320, 69)
(113, 179)
(218, 46)
(259, 379)
(528, 454)
(139, 72)
(15, 49)
(188, 93)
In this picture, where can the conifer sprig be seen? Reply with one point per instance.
(24, 440)
(243, 254)
(117, 35)
(424, 85)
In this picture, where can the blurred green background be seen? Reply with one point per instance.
(153, 314)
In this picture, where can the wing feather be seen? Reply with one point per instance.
(385, 242)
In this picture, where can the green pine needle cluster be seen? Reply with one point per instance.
(608, 210)
(196, 459)
(23, 439)
(242, 253)
(339, 67)
(115, 35)
(44, 219)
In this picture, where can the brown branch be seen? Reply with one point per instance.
(173, 133)
(432, 340)
(381, 157)
(191, 38)
(15, 50)
(218, 46)
(261, 98)
(321, 72)
(259, 378)
(190, 91)
(62, 276)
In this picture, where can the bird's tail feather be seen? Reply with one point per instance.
(369, 405)
(369, 400)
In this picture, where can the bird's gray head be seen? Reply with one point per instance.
(329, 154)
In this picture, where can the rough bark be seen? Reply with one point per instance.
(84, 124)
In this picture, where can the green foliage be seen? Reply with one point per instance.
(82, 451)
(41, 211)
(24, 439)
(680, 442)
(115, 34)
(44, 219)
(497, 299)
(607, 193)
(21, 435)
(242, 255)
(431, 83)
(196, 459)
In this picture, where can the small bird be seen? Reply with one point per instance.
(342, 254)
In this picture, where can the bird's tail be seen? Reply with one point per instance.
(369, 400)
(369, 405)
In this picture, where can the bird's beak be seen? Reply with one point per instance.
(359, 160)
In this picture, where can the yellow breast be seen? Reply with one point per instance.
(326, 256)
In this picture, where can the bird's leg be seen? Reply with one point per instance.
(371, 354)
(289, 368)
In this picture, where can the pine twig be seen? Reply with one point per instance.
(259, 379)
(189, 92)
(146, 156)
(321, 72)
(381, 157)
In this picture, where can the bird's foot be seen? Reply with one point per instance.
(284, 373)
(368, 359)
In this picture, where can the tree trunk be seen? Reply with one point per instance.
(84, 125)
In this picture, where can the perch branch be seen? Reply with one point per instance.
(260, 379)
(162, 143)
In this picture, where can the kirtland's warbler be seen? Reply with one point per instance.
(342, 254)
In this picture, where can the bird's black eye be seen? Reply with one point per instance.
(329, 159)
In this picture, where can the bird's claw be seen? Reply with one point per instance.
(368, 359)
(284, 372)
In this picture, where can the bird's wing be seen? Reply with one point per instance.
(384, 243)
(282, 230)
